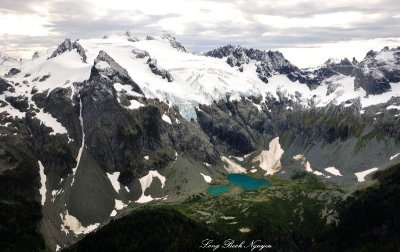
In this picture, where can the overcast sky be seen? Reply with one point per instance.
(306, 31)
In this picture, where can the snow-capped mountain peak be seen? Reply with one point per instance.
(4, 57)
(162, 68)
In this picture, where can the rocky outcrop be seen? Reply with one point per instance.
(4, 86)
(152, 63)
(267, 62)
(118, 138)
(35, 55)
(67, 45)
(13, 71)
(18, 102)
(5, 58)
(159, 71)
(131, 37)
(377, 70)
(344, 67)
(374, 73)
(226, 132)
(20, 210)
(106, 67)
(140, 54)
(373, 82)
(173, 42)
(273, 61)
(312, 78)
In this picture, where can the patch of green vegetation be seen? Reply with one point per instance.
(288, 215)
(307, 181)
(301, 214)
(369, 218)
(148, 229)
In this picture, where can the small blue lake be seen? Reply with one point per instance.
(218, 189)
(244, 181)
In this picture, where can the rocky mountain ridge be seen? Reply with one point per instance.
(373, 73)
(104, 123)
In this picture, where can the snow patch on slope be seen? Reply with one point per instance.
(270, 160)
(71, 223)
(113, 213)
(361, 175)
(166, 119)
(78, 157)
(232, 166)
(127, 89)
(51, 122)
(393, 107)
(119, 204)
(207, 178)
(113, 177)
(334, 171)
(43, 179)
(145, 182)
(307, 166)
(394, 156)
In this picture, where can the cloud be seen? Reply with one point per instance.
(20, 6)
(205, 24)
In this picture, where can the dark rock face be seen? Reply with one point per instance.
(52, 150)
(375, 72)
(35, 55)
(67, 45)
(131, 37)
(56, 152)
(13, 71)
(173, 42)
(226, 133)
(140, 53)
(187, 137)
(39, 99)
(344, 67)
(372, 82)
(4, 86)
(111, 135)
(44, 77)
(20, 211)
(118, 138)
(59, 104)
(19, 102)
(312, 78)
(238, 57)
(267, 62)
(80, 50)
(105, 66)
(239, 124)
(110, 130)
(158, 71)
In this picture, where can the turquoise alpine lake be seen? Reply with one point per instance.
(218, 189)
(244, 181)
